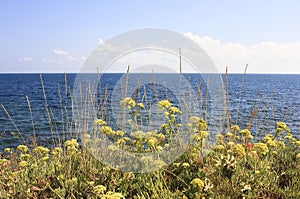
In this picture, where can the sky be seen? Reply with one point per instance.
(57, 36)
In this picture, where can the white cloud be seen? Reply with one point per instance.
(64, 53)
(26, 59)
(100, 41)
(263, 57)
(60, 52)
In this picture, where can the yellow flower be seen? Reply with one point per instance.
(245, 133)
(220, 147)
(235, 128)
(298, 156)
(25, 156)
(7, 150)
(281, 125)
(99, 122)
(121, 142)
(107, 130)
(163, 104)
(70, 143)
(112, 147)
(2, 161)
(197, 183)
(127, 101)
(288, 136)
(91, 183)
(261, 148)
(272, 143)
(176, 164)
(120, 133)
(159, 148)
(23, 163)
(174, 110)
(112, 195)
(281, 144)
(228, 134)
(219, 136)
(99, 189)
(72, 146)
(197, 124)
(204, 134)
(230, 144)
(185, 165)
(56, 151)
(22, 148)
(297, 143)
(239, 149)
(152, 141)
(160, 136)
(166, 113)
(41, 150)
(45, 158)
(141, 105)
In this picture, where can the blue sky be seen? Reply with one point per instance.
(56, 36)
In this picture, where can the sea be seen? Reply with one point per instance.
(30, 101)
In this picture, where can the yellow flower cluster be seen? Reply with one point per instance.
(185, 165)
(282, 125)
(127, 102)
(99, 190)
(23, 163)
(219, 147)
(3, 161)
(228, 134)
(246, 133)
(72, 146)
(22, 148)
(141, 105)
(160, 136)
(163, 104)
(56, 151)
(235, 128)
(152, 142)
(262, 148)
(119, 133)
(40, 150)
(239, 149)
(198, 123)
(288, 136)
(107, 130)
(174, 110)
(197, 183)
(99, 122)
(25, 156)
(272, 143)
(297, 143)
(112, 195)
(267, 138)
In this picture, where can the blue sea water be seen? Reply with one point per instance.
(278, 98)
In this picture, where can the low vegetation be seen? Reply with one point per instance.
(236, 165)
